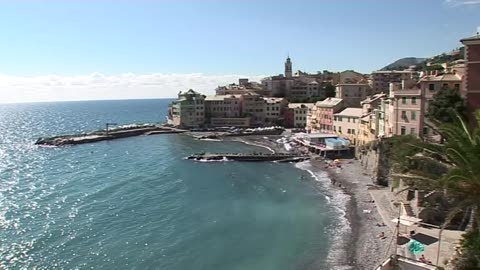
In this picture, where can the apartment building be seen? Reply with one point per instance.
(253, 106)
(299, 113)
(274, 109)
(353, 93)
(188, 111)
(381, 79)
(347, 123)
(320, 118)
(472, 74)
(405, 111)
(432, 84)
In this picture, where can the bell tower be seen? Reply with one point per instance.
(288, 68)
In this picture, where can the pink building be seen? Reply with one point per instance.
(320, 118)
(432, 84)
(405, 113)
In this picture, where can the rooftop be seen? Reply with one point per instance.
(355, 112)
(221, 97)
(273, 100)
(442, 77)
(472, 38)
(300, 105)
(329, 102)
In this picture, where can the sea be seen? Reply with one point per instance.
(137, 203)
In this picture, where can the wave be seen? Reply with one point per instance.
(340, 231)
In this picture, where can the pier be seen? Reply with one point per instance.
(107, 134)
(252, 157)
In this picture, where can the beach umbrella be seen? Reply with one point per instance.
(415, 247)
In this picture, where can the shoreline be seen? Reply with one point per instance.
(363, 248)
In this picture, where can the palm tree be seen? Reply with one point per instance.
(453, 168)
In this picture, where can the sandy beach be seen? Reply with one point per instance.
(366, 249)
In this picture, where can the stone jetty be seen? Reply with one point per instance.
(108, 134)
(252, 157)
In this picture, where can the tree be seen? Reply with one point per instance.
(329, 90)
(445, 105)
(459, 179)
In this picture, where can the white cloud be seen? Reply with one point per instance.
(462, 2)
(100, 86)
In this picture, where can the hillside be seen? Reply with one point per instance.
(404, 63)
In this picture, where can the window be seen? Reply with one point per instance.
(334, 128)
(414, 100)
(444, 86)
(348, 119)
(457, 87)
(340, 129)
(412, 130)
(404, 115)
(403, 130)
(404, 100)
(353, 131)
(413, 115)
(431, 87)
(348, 131)
(425, 131)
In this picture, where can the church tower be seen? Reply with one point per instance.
(288, 68)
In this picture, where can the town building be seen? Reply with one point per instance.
(303, 91)
(253, 106)
(225, 106)
(230, 122)
(472, 74)
(320, 118)
(188, 110)
(352, 93)
(405, 110)
(434, 83)
(381, 79)
(274, 110)
(225, 110)
(243, 87)
(296, 114)
(347, 123)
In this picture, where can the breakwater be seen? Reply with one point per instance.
(253, 157)
(107, 134)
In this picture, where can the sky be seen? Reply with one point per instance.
(88, 50)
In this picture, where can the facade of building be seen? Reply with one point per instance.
(432, 84)
(405, 114)
(253, 106)
(381, 79)
(320, 118)
(230, 122)
(224, 106)
(303, 90)
(353, 94)
(243, 87)
(472, 74)
(299, 114)
(188, 111)
(347, 123)
(274, 109)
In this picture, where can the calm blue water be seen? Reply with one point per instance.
(135, 203)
